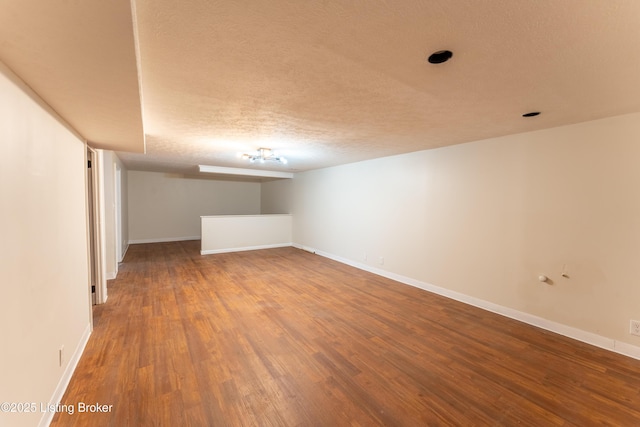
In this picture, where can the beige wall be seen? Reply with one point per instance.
(168, 207)
(275, 196)
(484, 219)
(43, 258)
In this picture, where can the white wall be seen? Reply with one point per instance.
(108, 191)
(124, 207)
(107, 167)
(275, 196)
(165, 207)
(43, 250)
(233, 233)
(484, 219)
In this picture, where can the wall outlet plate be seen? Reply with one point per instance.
(634, 327)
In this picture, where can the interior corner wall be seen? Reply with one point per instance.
(485, 219)
(43, 254)
(166, 207)
(275, 196)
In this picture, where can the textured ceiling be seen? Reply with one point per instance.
(326, 83)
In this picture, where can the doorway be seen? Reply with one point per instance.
(91, 217)
(94, 228)
(118, 213)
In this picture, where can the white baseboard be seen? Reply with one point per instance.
(163, 239)
(627, 349)
(610, 344)
(124, 253)
(47, 417)
(245, 248)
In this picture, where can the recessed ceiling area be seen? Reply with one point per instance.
(321, 83)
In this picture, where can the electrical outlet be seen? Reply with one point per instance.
(634, 327)
(381, 260)
(61, 355)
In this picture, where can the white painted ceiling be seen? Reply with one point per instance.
(321, 83)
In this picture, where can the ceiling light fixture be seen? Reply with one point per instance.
(440, 56)
(264, 155)
(531, 114)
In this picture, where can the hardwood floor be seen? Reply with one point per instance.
(281, 337)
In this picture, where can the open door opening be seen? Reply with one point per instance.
(118, 213)
(95, 226)
(93, 259)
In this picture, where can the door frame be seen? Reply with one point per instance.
(96, 227)
(117, 174)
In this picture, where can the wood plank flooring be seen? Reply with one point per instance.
(281, 337)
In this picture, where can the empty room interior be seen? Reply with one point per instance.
(289, 213)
